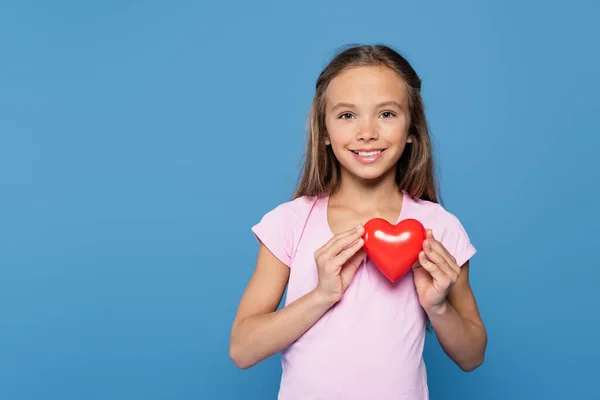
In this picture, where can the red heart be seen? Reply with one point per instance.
(393, 248)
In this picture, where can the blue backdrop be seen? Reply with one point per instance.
(140, 141)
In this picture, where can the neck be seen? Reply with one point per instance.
(361, 194)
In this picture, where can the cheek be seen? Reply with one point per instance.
(396, 132)
(339, 134)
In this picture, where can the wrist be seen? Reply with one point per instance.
(323, 299)
(439, 309)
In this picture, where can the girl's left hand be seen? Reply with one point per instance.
(434, 273)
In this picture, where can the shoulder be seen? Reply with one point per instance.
(291, 210)
(279, 227)
(436, 214)
(446, 227)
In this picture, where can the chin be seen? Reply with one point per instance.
(369, 174)
(374, 177)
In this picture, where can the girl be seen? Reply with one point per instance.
(346, 332)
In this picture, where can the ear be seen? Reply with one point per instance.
(409, 139)
(327, 141)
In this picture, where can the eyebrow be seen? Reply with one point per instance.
(385, 103)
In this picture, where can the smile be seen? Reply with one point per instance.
(367, 153)
(367, 156)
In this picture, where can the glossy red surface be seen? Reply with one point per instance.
(393, 248)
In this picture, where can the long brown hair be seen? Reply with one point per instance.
(415, 169)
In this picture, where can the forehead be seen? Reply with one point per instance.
(364, 85)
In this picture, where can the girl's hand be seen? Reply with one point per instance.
(337, 262)
(434, 273)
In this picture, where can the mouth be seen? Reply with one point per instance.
(367, 156)
(368, 153)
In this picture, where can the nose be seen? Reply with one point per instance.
(367, 131)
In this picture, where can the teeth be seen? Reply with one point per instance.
(367, 153)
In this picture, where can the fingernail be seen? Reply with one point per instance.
(358, 227)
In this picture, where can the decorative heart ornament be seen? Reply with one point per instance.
(393, 248)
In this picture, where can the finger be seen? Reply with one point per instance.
(349, 251)
(336, 262)
(351, 231)
(321, 251)
(349, 270)
(441, 249)
(341, 243)
(436, 273)
(434, 255)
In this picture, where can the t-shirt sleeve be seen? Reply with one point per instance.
(276, 231)
(455, 238)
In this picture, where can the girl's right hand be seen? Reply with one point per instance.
(337, 262)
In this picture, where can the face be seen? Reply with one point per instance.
(367, 120)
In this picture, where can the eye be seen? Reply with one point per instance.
(345, 116)
(388, 114)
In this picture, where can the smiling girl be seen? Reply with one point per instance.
(347, 332)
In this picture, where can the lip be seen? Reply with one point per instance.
(368, 149)
(367, 159)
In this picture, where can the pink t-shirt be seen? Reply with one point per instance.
(370, 344)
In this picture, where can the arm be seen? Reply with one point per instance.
(259, 329)
(458, 325)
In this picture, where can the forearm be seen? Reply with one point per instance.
(260, 336)
(464, 341)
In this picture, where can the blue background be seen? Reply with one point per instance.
(140, 141)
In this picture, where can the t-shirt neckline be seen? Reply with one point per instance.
(325, 205)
